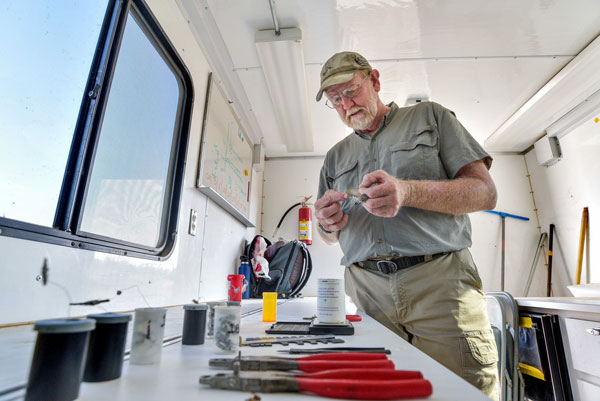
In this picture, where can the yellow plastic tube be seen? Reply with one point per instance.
(269, 307)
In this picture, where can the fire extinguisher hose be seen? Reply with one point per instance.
(283, 217)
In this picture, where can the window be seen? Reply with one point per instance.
(94, 136)
(43, 73)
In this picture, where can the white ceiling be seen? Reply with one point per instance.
(481, 59)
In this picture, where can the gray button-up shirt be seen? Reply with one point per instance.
(422, 142)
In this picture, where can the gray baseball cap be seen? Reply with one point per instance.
(341, 68)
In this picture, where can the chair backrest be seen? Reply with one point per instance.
(497, 317)
(511, 329)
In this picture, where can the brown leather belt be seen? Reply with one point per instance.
(390, 266)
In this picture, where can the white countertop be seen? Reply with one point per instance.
(176, 378)
(575, 304)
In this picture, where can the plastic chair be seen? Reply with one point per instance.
(496, 314)
(513, 388)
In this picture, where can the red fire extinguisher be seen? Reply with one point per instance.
(305, 223)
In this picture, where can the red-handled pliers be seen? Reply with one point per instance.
(373, 384)
(311, 363)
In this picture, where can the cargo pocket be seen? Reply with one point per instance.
(481, 346)
(479, 358)
(416, 157)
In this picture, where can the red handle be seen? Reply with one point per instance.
(345, 356)
(317, 366)
(366, 374)
(353, 318)
(366, 389)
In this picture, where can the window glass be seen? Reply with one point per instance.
(46, 51)
(127, 191)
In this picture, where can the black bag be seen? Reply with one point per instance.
(290, 266)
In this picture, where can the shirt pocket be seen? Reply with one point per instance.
(344, 177)
(416, 157)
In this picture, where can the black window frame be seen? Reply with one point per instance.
(69, 211)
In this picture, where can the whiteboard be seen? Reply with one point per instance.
(225, 166)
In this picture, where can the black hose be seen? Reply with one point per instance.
(285, 214)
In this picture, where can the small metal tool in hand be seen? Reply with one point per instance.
(353, 193)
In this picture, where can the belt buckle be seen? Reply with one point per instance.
(387, 266)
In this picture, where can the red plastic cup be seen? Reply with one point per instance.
(237, 286)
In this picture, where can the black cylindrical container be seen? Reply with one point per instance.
(107, 347)
(57, 364)
(194, 324)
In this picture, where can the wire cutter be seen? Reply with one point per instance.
(311, 363)
(358, 383)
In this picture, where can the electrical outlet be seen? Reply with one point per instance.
(193, 222)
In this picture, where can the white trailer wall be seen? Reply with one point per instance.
(197, 267)
(562, 191)
(287, 180)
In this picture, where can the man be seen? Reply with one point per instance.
(405, 247)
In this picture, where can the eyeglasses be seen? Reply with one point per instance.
(349, 92)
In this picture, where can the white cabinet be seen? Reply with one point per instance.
(584, 343)
(588, 391)
(579, 320)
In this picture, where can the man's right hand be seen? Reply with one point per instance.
(328, 211)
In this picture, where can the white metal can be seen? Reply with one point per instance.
(331, 301)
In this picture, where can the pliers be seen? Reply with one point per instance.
(311, 363)
(359, 383)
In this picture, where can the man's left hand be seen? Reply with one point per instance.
(386, 193)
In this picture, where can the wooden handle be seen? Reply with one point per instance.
(582, 233)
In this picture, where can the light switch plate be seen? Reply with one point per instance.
(193, 221)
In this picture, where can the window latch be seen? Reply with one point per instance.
(93, 94)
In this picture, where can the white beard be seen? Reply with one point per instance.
(364, 119)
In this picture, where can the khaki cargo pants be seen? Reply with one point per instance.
(439, 307)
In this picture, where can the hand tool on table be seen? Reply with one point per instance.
(300, 340)
(309, 364)
(331, 350)
(360, 383)
(311, 327)
(350, 318)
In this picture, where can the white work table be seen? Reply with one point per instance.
(176, 377)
